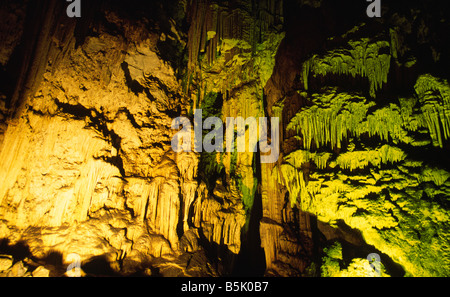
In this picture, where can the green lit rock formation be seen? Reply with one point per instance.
(87, 167)
(364, 58)
(365, 160)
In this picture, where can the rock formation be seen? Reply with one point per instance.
(86, 159)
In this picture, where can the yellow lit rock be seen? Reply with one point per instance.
(88, 175)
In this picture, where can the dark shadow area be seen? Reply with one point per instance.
(155, 272)
(349, 252)
(98, 122)
(432, 155)
(19, 250)
(180, 224)
(343, 82)
(251, 260)
(54, 258)
(98, 266)
(222, 259)
(132, 84)
(53, 261)
(354, 246)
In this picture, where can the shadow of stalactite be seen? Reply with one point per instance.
(354, 246)
(97, 266)
(19, 251)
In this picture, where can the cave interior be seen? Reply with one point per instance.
(89, 177)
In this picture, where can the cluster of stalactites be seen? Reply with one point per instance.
(361, 159)
(334, 116)
(330, 119)
(212, 22)
(291, 174)
(434, 97)
(361, 58)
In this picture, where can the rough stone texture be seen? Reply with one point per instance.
(91, 171)
(5, 262)
(87, 167)
(41, 272)
(354, 163)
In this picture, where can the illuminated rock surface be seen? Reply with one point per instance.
(87, 167)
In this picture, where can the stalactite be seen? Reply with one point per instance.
(361, 159)
(336, 115)
(188, 190)
(434, 95)
(12, 156)
(196, 17)
(84, 175)
(215, 23)
(163, 210)
(139, 191)
(291, 174)
(435, 175)
(219, 227)
(293, 179)
(428, 82)
(300, 157)
(330, 119)
(387, 123)
(91, 175)
(306, 70)
(361, 58)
